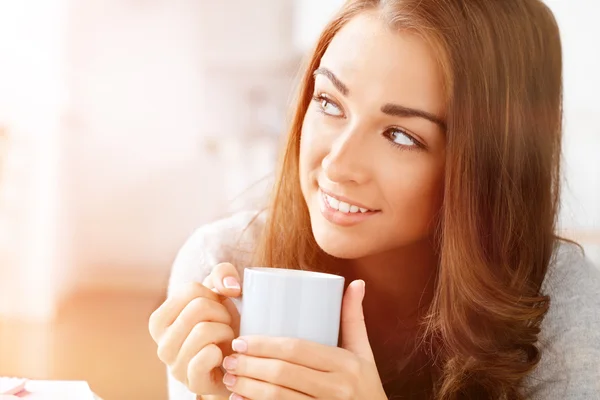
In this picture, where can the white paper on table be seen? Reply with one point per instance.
(57, 390)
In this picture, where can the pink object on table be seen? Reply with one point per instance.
(21, 388)
(10, 385)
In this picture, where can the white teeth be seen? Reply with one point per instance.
(334, 203)
(343, 206)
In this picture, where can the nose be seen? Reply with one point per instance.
(347, 160)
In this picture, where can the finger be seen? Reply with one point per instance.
(202, 335)
(281, 373)
(353, 328)
(252, 389)
(204, 375)
(166, 314)
(198, 310)
(234, 313)
(224, 279)
(312, 355)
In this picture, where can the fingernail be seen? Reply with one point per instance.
(229, 380)
(239, 345)
(231, 283)
(229, 363)
(235, 397)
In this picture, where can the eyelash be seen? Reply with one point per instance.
(318, 98)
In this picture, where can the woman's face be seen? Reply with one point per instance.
(372, 149)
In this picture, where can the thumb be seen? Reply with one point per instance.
(354, 330)
(224, 279)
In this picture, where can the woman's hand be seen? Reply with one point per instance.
(194, 328)
(268, 368)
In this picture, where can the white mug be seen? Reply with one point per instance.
(291, 303)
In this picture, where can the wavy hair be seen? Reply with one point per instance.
(502, 68)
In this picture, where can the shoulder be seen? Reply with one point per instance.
(232, 239)
(573, 284)
(569, 340)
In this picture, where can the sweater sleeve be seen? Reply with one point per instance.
(226, 240)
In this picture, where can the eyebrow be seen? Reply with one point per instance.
(389, 109)
(334, 79)
(401, 111)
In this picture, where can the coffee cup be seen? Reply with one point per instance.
(291, 303)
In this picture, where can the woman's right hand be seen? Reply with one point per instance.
(194, 328)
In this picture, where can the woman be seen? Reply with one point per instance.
(422, 160)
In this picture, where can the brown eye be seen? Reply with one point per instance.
(328, 107)
(402, 139)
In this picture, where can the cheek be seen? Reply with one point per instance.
(416, 196)
(313, 146)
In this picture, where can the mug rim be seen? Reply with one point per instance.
(288, 272)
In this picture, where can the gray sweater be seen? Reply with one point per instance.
(569, 340)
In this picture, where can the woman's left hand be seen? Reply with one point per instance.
(269, 368)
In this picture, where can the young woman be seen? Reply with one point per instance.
(422, 160)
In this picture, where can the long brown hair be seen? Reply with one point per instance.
(502, 65)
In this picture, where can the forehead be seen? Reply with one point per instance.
(393, 66)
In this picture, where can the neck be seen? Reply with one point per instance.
(399, 290)
(399, 282)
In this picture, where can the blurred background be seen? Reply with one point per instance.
(126, 124)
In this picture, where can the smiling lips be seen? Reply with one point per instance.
(341, 212)
(343, 206)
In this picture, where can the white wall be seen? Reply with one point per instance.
(160, 129)
(580, 32)
(310, 16)
(138, 171)
(32, 98)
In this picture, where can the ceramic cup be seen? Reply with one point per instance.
(291, 303)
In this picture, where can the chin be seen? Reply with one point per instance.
(337, 243)
(341, 250)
